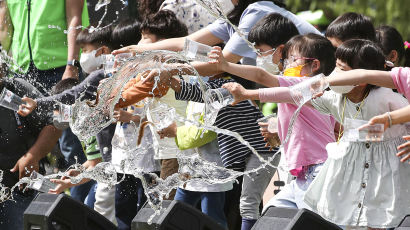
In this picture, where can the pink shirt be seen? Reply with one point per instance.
(312, 131)
(401, 79)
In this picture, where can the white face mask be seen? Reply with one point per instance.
(343, 89)
(266, 63)
(227, 6)
(89, 62)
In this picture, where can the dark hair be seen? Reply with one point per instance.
(64, 84)
(272, 30)
(313, 46)
(390, 39)
(148, 7)
(362, 54)
(126, 33)
(164, 24)
(98, 37)
(236, 14)
(351, 25)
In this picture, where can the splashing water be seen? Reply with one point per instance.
(216, 10)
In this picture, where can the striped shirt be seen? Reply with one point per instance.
(241, 118)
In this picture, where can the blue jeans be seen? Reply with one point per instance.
(11, 211)
(212, 203)
(80, 192)
(90, 199)
(71, 147)
(129, 199)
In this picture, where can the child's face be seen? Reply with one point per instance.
(343, 66)
(87, 48)
(147, 38)
(268, 50)
(294, 59)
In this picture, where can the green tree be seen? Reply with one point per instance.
(388, 12)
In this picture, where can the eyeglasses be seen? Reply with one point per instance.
(293, 59)
(260, 53)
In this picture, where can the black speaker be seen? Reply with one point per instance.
(405, 224)
(174, 215)
(61, 212)
(292, 219)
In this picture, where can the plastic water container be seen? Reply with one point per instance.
(305, 90)
(215, 100)
(196, 51)
(39, 183)
(10, 100)
(62, 116)
(162, 116)
(358, 130)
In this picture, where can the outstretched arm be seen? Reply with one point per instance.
(399, 116)
(248, 72)
(360, 76)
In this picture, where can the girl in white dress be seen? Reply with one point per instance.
(362, 184)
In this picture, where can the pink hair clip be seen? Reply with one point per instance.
(406, 45)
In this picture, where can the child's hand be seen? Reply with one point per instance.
(64, 182)
(237, 91)
(26, 109)
(122, 116)
(380, 119)
(150, 75)
(170, 131)
(405, 149)
(218, 58)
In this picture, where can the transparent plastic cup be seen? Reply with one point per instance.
(39, 183)
(62, 116)
(215, 100)
(108, 63)
(10, 100)
(162, 116)
(196, 51)
(359, 130)
(305, 90)
(270, 123)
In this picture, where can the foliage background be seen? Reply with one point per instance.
(383, 12)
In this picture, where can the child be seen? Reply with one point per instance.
(391, 43)
(348, 26)
(361, 184)
(305, 151)
(130, 192)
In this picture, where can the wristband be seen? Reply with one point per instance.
(390, 120)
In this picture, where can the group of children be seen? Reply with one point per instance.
(352, 184)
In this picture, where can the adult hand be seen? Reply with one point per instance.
(405, 149)
(218, 58)
(237, 91)
(26, 164)
(27, 108)
(70, 72)
(170, 131)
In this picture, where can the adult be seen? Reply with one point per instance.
(41, 48)
(45, 53)
(23, 142)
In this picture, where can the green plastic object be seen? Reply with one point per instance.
(314, 17)
(269, 108)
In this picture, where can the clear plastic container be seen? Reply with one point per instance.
(39, 183)
(359, 130)
(305, 90)
(196, 51)
(10, 100)
(215, 100)
(108, 63)
(62, 116)
(162, 116)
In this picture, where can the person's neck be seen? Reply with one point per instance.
(357, 96)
